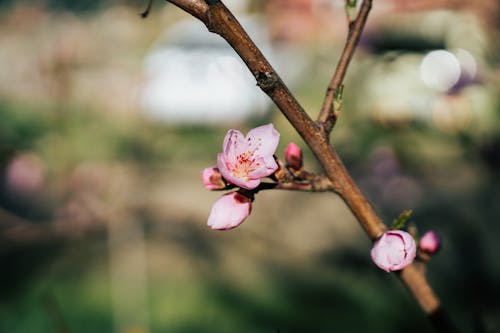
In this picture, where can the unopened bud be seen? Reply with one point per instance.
(212, 179)
(229, 211)
(430, 242)
(293, 156)
(394, 250)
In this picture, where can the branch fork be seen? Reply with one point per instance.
(218, 19)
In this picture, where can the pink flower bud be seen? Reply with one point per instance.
(212, 179)
(229, 211)
(430, 242)
(395, 250)
(293, 156)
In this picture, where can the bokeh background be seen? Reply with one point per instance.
(107, 119)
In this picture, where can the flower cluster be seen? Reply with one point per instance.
(243, 162)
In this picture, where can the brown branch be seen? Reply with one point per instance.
(220, 20)
(328, 116)
(197, 8)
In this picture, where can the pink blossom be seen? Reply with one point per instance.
(245, 160)
(430, 242)
(293, 156)
(229, 211)
(212, 179)
(393, 251)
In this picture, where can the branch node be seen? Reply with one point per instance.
(266, 80)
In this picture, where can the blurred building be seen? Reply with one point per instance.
(193, 76)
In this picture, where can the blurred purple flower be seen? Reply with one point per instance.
(25, 174)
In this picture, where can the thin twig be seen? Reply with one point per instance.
(146, 12)
(318, 184)
(328, 116)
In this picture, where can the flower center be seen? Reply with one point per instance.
(245, 164)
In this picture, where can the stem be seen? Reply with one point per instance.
(220, 20)
(328, 116)
(146, 12)
(318, 184)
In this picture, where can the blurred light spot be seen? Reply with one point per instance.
(195, 78)
(451, 114)
(467, 62)
(25, 174)
(392, 111)
(440, 70)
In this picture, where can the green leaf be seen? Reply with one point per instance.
(351, 3)
(350, 9)
(400, 222)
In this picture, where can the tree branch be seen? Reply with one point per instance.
(220, 20)
(197, 8)
(328, 116)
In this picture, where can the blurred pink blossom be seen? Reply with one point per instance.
(395, 250)
(244, 160)
(212, 179)
(25, 174)
(430, 242)
(293, 156)
(229, 211)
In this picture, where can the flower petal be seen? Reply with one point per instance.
(233, 145)
(229, 211)
(267, 167)
(263, 140)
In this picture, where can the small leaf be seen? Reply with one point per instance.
(350, 9)
(351, 3)
(400, 222)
